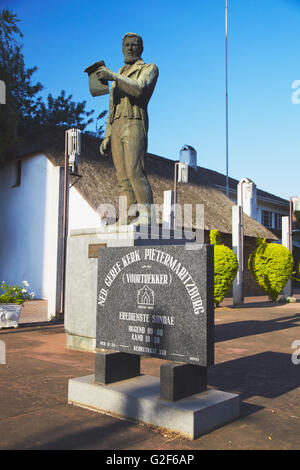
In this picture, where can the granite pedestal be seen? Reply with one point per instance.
(139, 399)
(155, 301)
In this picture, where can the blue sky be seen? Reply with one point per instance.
(187, 42)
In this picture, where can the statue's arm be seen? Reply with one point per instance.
(107, 128)
(110, 110)
(137, 87)
(105, 145)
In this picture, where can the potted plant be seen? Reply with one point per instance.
(12, 298)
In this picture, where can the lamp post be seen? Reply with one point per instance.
(291, 226)
(238, 243)
(182, 177)
(242, 226)
(226, 35)
(72, 151)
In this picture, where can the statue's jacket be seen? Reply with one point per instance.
(130, 93)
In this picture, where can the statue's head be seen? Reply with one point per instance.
(132, 47)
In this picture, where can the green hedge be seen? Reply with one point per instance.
(226, 266)
(271, 265)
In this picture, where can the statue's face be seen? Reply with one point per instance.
(131, 50)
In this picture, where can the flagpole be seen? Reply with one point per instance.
(226, 33)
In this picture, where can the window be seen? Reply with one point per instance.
(278, 221)
(266, 219)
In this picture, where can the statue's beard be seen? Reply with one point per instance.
(130, 59)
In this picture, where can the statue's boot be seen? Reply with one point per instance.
(124, 219)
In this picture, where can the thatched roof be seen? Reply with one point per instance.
(98, 184)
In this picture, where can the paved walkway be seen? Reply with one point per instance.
(253, 358)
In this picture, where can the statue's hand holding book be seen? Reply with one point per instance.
(98, 86)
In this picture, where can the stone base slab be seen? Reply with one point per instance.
(80, 343)
(138, 399)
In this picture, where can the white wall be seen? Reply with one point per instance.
(30, 226)
(81, 214)
(26, 239)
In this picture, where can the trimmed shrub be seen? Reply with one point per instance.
(271, 265)
(226, 267)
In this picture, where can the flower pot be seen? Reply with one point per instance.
(10, 315)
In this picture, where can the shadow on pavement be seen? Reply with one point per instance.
(268, 374)
(88, 435)
(229, 331)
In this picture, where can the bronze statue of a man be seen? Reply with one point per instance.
(127, 125)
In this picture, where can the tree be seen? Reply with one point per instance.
(23, 109)
(20, 92)
(61, 111)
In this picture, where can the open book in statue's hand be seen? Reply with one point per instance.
(97, 87)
